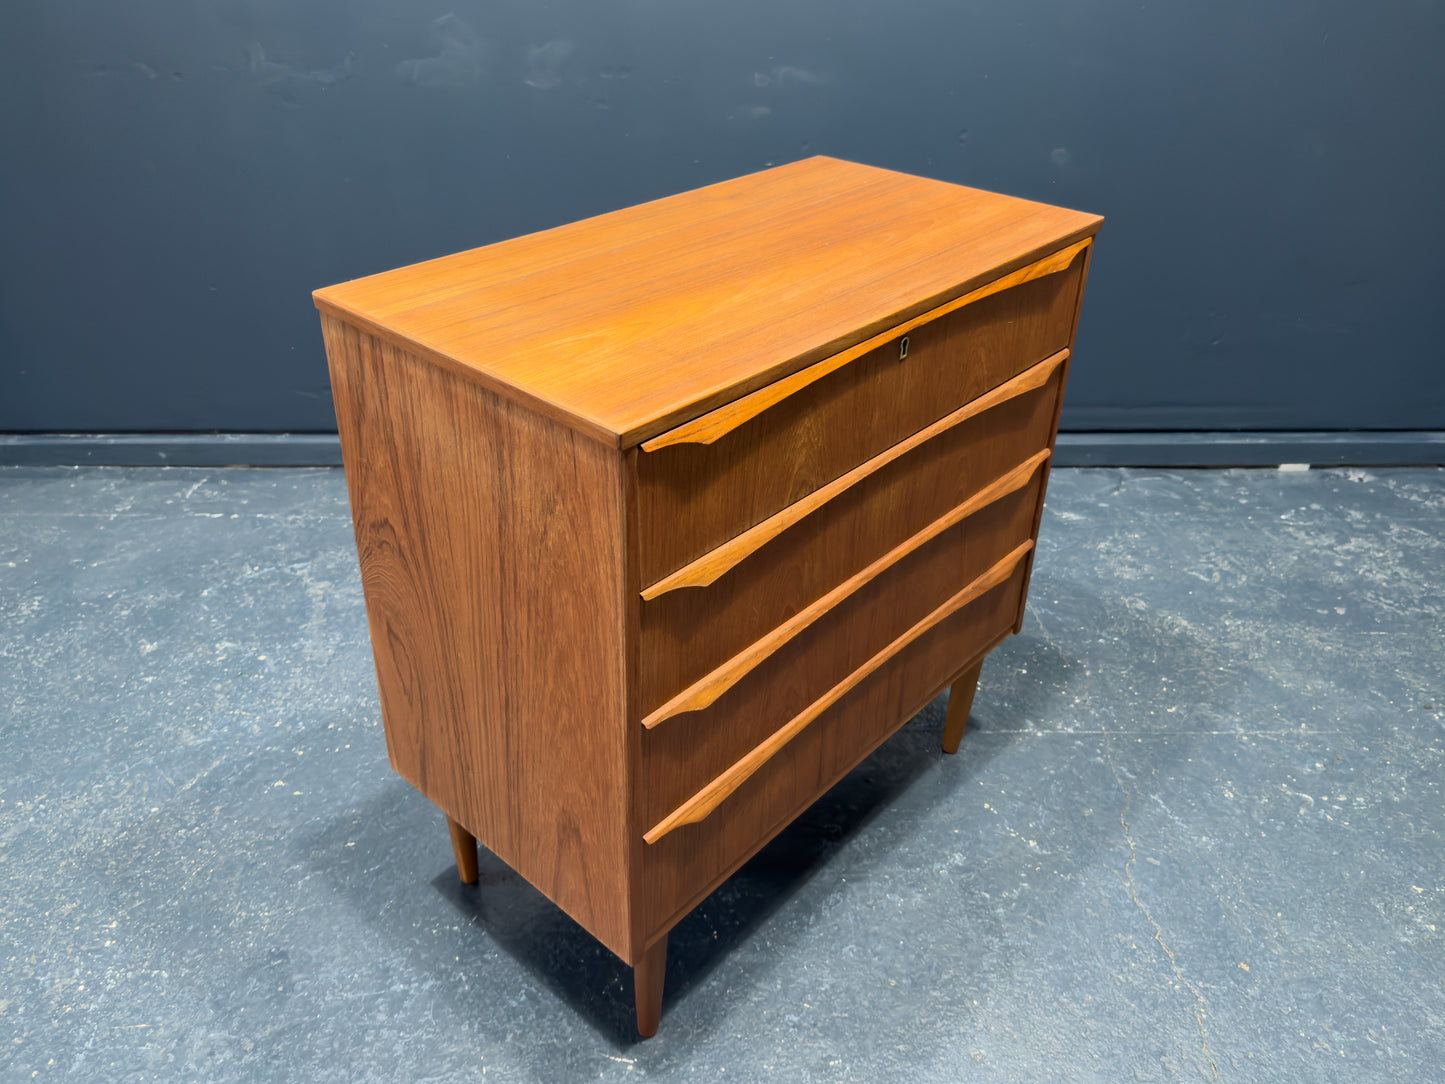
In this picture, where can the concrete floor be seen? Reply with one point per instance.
(1194, 832)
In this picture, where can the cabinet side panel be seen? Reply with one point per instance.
(491, 550)
(1053, 440)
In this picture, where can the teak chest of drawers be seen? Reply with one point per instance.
(668, 518)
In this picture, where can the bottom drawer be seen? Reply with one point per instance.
(689, 860)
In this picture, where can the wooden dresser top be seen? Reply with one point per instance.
(627, 324)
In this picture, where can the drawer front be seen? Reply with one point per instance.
(693, 497)
(686, 863)
(684, 754)
(688, 632)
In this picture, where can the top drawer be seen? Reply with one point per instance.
(694, 496)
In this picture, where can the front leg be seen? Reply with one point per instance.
(647, 976)
(960, 700)
(464, 846)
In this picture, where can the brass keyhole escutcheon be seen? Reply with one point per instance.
(903, 348)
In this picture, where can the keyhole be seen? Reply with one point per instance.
(903, 348)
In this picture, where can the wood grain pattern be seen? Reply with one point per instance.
(672, 465)
(1053, 437)
(683, 867)
(685, 634)
(482, 530)
(681, 757)
(711, 796)
(632, 660)
(695, 497)
(707, 689)
(625, 325)
(706, 569)
(726, 418)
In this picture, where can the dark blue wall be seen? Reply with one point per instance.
(178, 175)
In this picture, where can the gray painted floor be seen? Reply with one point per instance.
(1195, 829)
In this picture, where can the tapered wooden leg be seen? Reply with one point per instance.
(464, 846)
(960, 699)
(647, 979)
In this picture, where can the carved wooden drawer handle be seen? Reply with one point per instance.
(711, 796)
(703, 692)
(718, 423)
(711, 565)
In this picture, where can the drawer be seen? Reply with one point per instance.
(694, 496)
(686, 863)
(993, 459)
(683, 754)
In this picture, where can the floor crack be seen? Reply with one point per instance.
(1199, 1003)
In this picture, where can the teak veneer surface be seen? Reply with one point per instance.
(687, 751)
(724, 784)
(627, 324)
(718, 423)
(697, 496)
(683, 866)
(719, 561)
(688, 632)
(664, 525)
(467, 636)
(706, 690)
